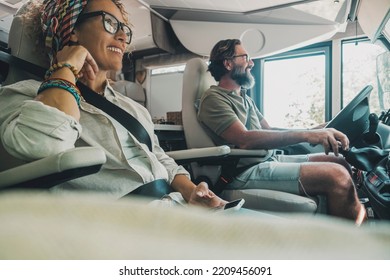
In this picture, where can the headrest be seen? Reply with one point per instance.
(24, 36)
(196, 71)
(25, 42)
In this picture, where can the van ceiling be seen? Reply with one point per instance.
(260, 20)
(240, 6)
(266, 27)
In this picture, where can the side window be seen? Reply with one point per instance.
(295, 88)
(165, 91)
(359, 68)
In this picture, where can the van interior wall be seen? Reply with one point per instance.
(157, 95)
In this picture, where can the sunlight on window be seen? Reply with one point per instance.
(359, 70)
(294, 91)
(165, 90)
(166, 70)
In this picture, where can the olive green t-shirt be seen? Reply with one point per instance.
(219, 108)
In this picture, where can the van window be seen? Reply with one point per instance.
(295, 87)
(359, 68)
(165, 91)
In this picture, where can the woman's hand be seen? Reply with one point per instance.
(79, 57)
(82, 64)
(203, 196)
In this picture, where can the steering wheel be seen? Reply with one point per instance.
(352, 120)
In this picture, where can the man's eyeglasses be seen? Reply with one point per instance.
(111, 24)
(247, 57)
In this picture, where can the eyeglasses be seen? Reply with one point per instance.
(247, 57)
(111, 24)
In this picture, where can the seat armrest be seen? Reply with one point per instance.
(242, 153)
(52, 170)
(192, 155)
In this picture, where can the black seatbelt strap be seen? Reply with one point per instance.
(155, 189)
(248, 114)
(123, 117)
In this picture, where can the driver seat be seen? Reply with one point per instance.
(196, 80)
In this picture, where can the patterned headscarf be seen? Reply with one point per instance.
(58, 20)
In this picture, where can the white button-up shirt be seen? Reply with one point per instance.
(31, 130)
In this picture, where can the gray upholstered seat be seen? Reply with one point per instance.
(23, 44)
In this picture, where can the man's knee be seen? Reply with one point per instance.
(342, 180)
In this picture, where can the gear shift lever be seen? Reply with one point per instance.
(372, 137)
(374, 120)
(367, 158)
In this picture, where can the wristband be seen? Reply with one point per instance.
(62, 84)
(60, 65)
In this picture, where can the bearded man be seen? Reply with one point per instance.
(231, 117)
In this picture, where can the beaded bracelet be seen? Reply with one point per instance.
(60, 65)
(62, 84)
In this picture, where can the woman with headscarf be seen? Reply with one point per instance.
(84, 40)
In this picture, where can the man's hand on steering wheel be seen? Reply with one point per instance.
(330, 138)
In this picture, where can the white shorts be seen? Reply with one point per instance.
(279, 173)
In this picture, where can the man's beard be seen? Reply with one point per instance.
(242, 77)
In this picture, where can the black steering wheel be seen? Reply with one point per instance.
(352, 120)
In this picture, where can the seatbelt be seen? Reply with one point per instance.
(248, 114)
(155, 189)
(123, 117)
(248, 118)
